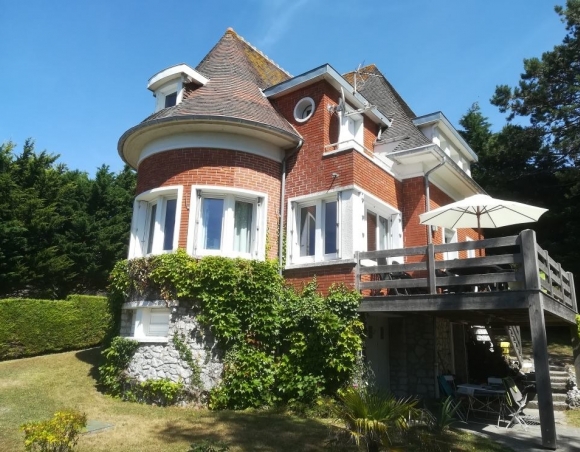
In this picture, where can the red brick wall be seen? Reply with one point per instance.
(223, 168)
(325, 276)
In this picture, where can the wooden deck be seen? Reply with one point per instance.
(496, 286)
(514, 282)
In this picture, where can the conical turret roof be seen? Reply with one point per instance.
(237, 74)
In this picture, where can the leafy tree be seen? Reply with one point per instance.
(60, 231)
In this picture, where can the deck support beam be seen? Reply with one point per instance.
(529, 250)
(575, 335)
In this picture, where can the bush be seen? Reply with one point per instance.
(116, 358)
(30, 327)
(372, 416)
(59, 434)
(162, 392)
(209, 446)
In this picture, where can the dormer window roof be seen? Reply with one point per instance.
(167, 85)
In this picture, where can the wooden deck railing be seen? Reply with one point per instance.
(510, 258)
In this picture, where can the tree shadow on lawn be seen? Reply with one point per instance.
(91, 356)
(252, 431)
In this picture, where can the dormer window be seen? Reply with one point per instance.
(351, 129)
(171, 100)
(167, 85)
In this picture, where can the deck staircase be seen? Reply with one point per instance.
(558, 374)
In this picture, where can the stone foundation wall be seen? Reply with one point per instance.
(412, 356)
(443, 343)
(161, 360)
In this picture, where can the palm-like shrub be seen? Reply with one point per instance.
(372, 416)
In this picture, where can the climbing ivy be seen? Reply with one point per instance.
(187, 357)
(281, 346)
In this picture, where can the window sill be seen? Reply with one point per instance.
(320, 264)
(149, 339)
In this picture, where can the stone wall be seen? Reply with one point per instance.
(412, 356)
(443, 344)
(161, 360)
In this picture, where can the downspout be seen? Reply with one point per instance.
(427, 197)
(429, 241)
(283, 204)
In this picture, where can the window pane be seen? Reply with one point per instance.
(170, 100)
(212, 215)
(169, 226)
(383, 233)
(307, 230)
(158, 322)
(150, 235)
(330, 227)
(371, 231)
(243, 226)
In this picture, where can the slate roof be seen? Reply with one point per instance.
(373, 85)
(237, 73)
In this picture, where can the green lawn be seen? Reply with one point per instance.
(32, 389)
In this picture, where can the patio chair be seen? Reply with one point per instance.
(448, 391)
(515, 403)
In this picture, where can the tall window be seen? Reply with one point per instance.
(315, 235)
(228, 224)
(378, 232)
(155, 225)
(161, 225)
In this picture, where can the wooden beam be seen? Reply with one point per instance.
(484, 301)
(576, 350)
(558, 309)
(529, 249)
(542, 367)
(431, 269)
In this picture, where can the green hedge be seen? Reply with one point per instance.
(31, 327)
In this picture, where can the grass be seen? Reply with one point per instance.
(33, 389)
(559, 345)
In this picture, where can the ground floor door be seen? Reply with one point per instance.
(377, 350)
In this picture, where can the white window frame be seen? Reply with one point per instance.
(346, 138)
(161, 93)
(450, 255)
(319, 239)
(142, 323)
(140, 225)
(230, 196)
(470, 253)
(395, 228)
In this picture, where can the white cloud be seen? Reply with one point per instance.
(278, 16)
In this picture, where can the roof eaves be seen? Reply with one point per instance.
(327, 72)
(434, 149)
(439, 117)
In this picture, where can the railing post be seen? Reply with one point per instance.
(549, 275)
(431, 269)
(535, 298)
(357, 272)
(572, 292)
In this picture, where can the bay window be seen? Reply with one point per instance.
(155, 226)
(228, 222)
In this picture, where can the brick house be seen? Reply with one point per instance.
(239, 154)
(238, 143)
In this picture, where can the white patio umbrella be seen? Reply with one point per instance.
(481, 211)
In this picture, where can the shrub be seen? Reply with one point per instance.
(370, 415)
(116, 359)
(162, 392)
(31, 327)
(209, 446)
(59, 434)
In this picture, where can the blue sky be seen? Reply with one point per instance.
(74, 73)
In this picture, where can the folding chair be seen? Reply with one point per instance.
(448, 391)
(515, 403)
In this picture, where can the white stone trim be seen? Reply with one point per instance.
(212, 140)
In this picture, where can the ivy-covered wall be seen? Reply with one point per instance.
(278, 345)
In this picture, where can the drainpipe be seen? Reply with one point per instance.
(283, 204)
(427, 198)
